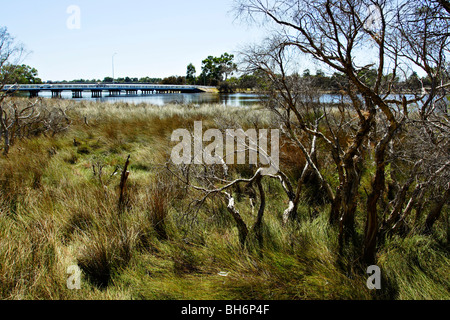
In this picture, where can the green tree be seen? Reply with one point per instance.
(338, 82)
(20, 74)
(226, 65)
(413, 82)
(175, 80)
(210, 72)
(217, 69)
(321, 80)
(190, 74)
(248, 81)
(150, 80)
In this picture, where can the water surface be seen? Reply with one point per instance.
(233, 100)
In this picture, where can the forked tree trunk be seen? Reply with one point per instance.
(396, 213)
(371, 229)
(378, 185)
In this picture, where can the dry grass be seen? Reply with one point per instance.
(57, 211)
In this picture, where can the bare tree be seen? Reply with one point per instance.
(217, 179)
(341, 35)
(21, 118)
(423, 28)
(10, 54)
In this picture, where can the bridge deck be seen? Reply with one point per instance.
(102, 87)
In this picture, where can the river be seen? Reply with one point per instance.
(232, 100)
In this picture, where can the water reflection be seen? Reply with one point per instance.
(233, 100)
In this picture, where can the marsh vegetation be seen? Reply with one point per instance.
(362, 180)
(60, 207)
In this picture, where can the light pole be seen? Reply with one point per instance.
(113, 66)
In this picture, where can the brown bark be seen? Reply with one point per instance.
(378, 185)
(336, 206)
(349, 201)
(257, 228)
(122, 186)
(435, 212)
(371, 230)
(4, 131)
(394, 216)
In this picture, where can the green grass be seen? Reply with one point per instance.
(418, 268)
(57, 210)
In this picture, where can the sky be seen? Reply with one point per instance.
(154, 38)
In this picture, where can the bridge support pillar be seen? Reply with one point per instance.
(34, 93)
(77, 94)
(96, 94)
(114, 93)
(56, 94)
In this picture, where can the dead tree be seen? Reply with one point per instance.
(333, 33)
(209, 180)
(10, 54)
(122, 186)
(21, 119)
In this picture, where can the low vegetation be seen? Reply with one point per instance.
(59, 206)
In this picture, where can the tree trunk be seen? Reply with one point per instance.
(7, 142)
(122, 186)
(242, 227)
(378, 185)
(435, 213)
(4, 132)
(400, 199)
(349, 201)
(257, 228)
(371, 229)
(336, 206)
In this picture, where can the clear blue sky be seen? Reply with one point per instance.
(155, 38)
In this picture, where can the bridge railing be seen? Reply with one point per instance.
(96, 87)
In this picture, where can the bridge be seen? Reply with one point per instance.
(97, 90)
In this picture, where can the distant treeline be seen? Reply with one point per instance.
(219, 71)
(111, 80)
(257, 81)
(175, 80)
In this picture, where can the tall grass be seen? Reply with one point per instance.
(57, 209)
